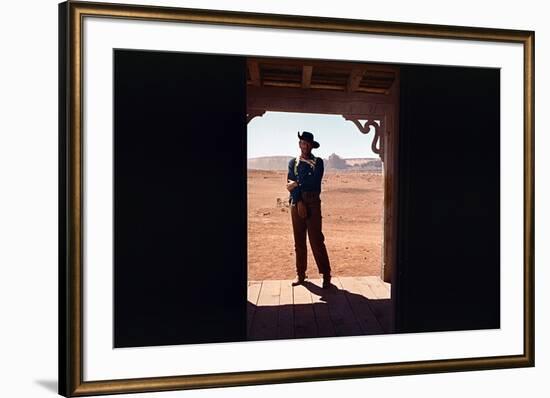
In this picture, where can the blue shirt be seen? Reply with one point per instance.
(308, 177)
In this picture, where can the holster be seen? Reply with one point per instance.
(302, 209)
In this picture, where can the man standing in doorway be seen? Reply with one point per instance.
(305, 173)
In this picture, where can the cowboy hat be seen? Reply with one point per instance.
(307, 136)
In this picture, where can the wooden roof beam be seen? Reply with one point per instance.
(355, 78)
(254, 70)
(265, 94)
(337, 105)
(307, 70)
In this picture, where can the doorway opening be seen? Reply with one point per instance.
(351, 108)
(352, 196)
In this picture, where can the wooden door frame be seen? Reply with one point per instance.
(382, 106)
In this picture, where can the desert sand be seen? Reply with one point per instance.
(352, 210)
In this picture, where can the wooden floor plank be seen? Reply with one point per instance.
(264, 325)
(254, 288)
(379, 288)
(360, 305)
(343, 318)
(387, 286)
(325, 328)
(354, 306)
(304, 317)
(379, 302)
(271, 291)
(286, 311)
(254, 291)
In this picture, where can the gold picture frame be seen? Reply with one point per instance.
(71, 361)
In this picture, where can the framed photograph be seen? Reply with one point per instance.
(252, 198)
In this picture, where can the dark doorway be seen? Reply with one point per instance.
(179, 198)
(448, 259)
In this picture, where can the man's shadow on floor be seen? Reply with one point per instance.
(340, 307)
(326, 294)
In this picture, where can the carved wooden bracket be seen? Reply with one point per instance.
(377, 145)
(253, 113)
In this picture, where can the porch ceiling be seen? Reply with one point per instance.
(317, 86)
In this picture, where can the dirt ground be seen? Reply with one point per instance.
(352, 209)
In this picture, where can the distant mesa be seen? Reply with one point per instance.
(334, 162)
(269, 162)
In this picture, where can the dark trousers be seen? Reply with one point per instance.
(312, 226)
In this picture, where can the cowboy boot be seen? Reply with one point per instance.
(299, 280)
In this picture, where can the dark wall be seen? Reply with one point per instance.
(179, 198)
(449, 212)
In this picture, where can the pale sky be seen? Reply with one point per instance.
(275, 134)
